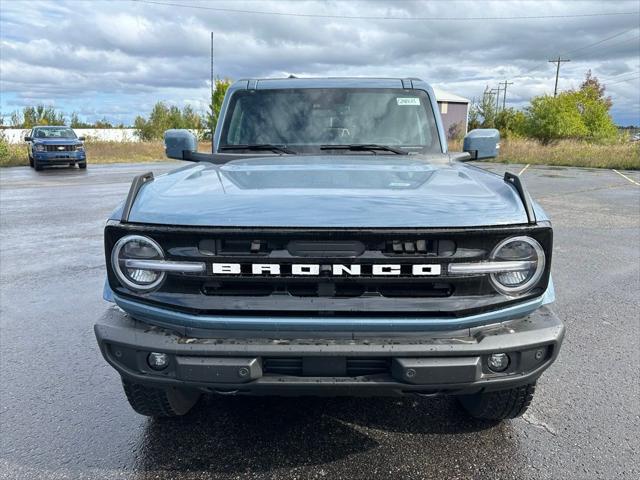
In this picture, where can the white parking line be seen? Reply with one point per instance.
(624, 176)
(523, 170)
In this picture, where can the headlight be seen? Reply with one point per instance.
(528, 260)
(79, 148)
(136, 247)
(38, 147)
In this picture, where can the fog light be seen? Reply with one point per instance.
(498, 362)
(158, 361)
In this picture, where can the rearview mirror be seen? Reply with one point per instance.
(82, 139)
(482, 143)
(28, 139)
(179, 141)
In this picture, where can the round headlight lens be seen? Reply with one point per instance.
(137, 247)
(518, 249)
(38, 147)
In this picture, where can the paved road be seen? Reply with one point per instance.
(63, 414)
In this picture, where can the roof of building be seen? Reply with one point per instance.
(444, 96)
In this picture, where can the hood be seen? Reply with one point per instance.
(374, 191)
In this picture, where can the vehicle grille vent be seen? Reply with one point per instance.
(355, 367)
(60, 148)
(442, 248)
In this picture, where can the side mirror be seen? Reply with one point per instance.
(28, 139)
(82, 139)
(179, 141)
(482, 143)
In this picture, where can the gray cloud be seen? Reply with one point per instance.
(116, 59)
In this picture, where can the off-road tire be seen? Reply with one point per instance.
(37, 166)
(157, 402)
(82, 165)
(30, 161)
(499, 405)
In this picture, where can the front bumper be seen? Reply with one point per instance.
(58, 158)
(281, 363)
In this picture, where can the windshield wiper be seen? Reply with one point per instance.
(363, 147)
(258, 147)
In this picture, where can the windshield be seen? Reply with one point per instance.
(62, 132)
(310, 118)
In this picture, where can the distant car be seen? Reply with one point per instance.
(55, 146)
(636, 138)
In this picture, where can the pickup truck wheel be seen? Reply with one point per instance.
(30, 161)
(82, 165)
(499, 405)
(37, 166)
(157, 402)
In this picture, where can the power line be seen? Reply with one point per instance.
(359, 17)
(599, 42)
(607, 46)
(621, 81)
(529, 70)
(558, 62)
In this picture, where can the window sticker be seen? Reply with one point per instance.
(408, 101)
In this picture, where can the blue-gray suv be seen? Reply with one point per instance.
(55, 145)
(330, 244)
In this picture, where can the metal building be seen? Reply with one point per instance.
(454, 109)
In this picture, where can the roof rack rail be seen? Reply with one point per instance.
(136, 185)
(523, 194)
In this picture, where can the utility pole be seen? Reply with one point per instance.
(504, 97)
(558, 62)
(497, 90)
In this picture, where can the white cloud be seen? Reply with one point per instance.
(116, 59)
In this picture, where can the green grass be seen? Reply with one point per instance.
(570, 153)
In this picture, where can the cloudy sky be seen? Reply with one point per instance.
(116, 59)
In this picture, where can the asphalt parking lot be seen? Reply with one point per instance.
(63, 413)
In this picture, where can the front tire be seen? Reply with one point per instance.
(37, 166)
(499, 405)
(158, 402)
(30, 161)
(82, 165)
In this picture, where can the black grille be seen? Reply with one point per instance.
(354, 367)
(326, 293)
(339, 289)
(60, 148)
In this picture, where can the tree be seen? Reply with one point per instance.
(104, 123)
(217, 97)
(592, 82)
(75, 122)
(511, 123)
(163, 117)
(41, 115)
(551, 118)
(38, 115)
(581, 114)
(483, 113)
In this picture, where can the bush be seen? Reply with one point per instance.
(12, 155)
(577, 114)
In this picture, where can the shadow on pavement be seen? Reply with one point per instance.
(237, 434)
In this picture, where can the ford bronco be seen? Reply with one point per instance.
(329, 245)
